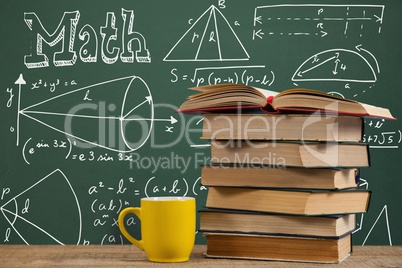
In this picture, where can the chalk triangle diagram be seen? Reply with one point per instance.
(116, 114)
(336, 65)
(40, 214)
(384, 224)
(210, 38)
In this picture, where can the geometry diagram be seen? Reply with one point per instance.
(319, 20)
(385, 217)
(210, 38)
(47, 212)
(336, 65)
(364, 184)
(117, 114)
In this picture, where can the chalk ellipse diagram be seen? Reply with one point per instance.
(336, 65)
(116, 114)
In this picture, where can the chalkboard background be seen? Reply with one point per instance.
(88, 93)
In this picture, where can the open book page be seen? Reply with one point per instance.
(232, 96)
(374, 110)
(267, 92)
(229, 87)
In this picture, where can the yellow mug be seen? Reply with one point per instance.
(168, 226)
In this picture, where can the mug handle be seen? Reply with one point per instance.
(130, 210)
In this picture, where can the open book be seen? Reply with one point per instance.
(229, 97)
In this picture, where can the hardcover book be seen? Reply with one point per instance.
(287, 177)
(236, 221)
(283, 248)
(299, 154)
(289, 201)
(314, 127)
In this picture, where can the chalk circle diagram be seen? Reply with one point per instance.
(117, 114)
(210, 38)
(40, 214)
(337, 65)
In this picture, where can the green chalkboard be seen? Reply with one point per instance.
(88, 92)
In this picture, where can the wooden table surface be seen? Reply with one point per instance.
(130, 256)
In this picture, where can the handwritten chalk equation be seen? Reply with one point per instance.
(179, 187)
(384, 140)
(41, 148)
(381, 139)
(52, 85)
(109, 197)
(251, 74)
(34, 149)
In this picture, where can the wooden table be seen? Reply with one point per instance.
(130, 256)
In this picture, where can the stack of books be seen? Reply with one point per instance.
(281, 186)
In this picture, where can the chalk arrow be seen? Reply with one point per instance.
(147, 99)
(335, 71)
(258, 19)
(172, 120)
(259, 33)
(20, 81)
(378, 19)
(359, 48)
